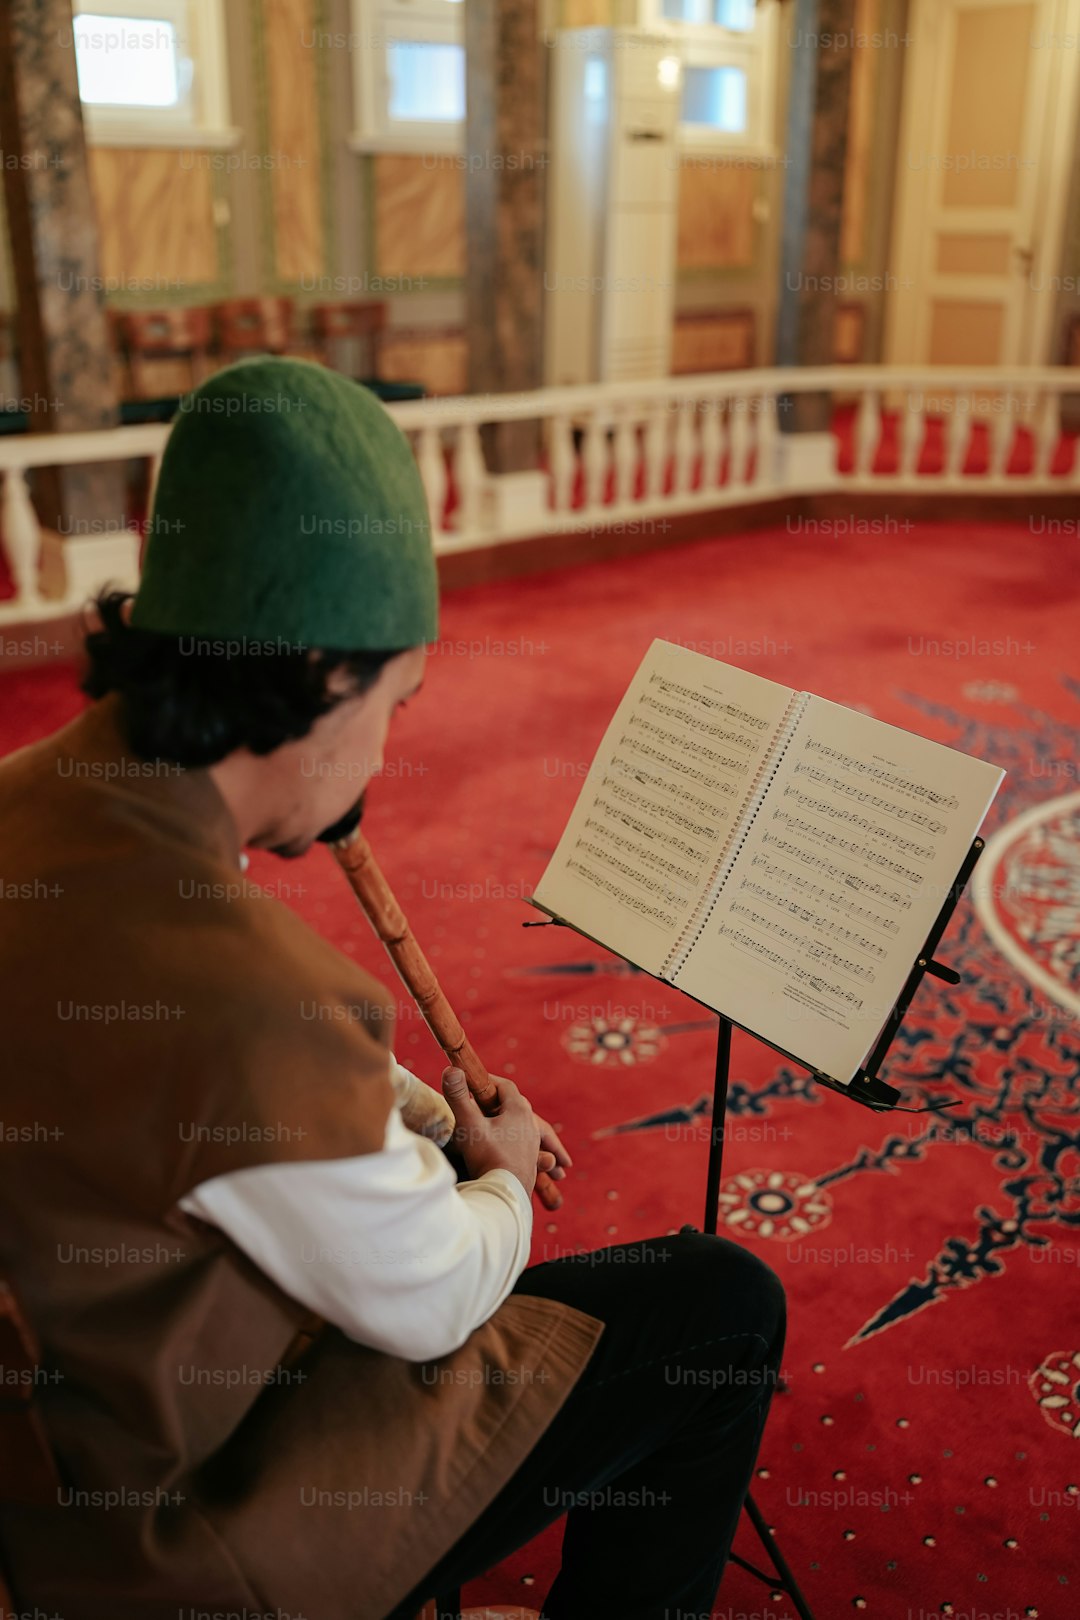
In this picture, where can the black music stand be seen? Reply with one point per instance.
(867, 1088)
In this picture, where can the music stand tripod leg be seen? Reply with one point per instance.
(784, 1578)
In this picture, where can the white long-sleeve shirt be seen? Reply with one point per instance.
(387, 1246)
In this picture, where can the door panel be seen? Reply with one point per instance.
(982, 182)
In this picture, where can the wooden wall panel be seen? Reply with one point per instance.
(849, 333)
(858, 166)
(716, 218)
(587, 14)
(964, 332)
(987, 106)
(293, 122)
(721, 340)
(419, 216)
(438, 360)
(155, 214)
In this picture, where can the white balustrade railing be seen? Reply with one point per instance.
(638, 450)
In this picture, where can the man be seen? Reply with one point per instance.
(290, 1363)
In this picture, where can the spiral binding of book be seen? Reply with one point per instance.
(767, 769)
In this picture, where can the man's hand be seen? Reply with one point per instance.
(551, 1144)
(509, 1139)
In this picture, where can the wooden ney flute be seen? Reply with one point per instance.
(354, 856)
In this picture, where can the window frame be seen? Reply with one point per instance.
(755, 52)
(376, 24)
(200, 30)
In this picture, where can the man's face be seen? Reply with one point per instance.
(319, 779)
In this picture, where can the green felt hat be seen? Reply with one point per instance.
(289, 508)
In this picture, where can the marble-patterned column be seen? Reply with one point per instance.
(819, 36)
(67, 370)
(506, 181)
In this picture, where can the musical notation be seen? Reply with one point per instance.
(866, 796)
(832, 897)
(773, 854)
(873, 829)
(791, 969)
(808, 914)
(816, 949)
(647, 829)
(637, 903)
(648, 857)
(807, 829)
(670, 762)
(732, 710)
(878, 773)
(711, 756)
(664, 812)
(694, 722)
(655, 886)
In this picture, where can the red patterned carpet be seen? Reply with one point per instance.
(924, 1460)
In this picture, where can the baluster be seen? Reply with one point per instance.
(948, 434)
(768, 436)
(912, 435)
(958, 438)
(595, 461)
(1047, 433)
(21, 534)
(656, 433)
(684, 446)
(738, 442)
(999, 431)
(867, 431)
(433, 475)
(712, 445)
(470, 478)
(626, 459)
(563, 463)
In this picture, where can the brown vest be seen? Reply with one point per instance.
(161, 1028)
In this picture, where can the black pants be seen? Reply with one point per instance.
(652, 1453)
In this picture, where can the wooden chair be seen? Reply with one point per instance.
(254, 326)
(447, 1607)
(29, 1476)
(147, 335)
(351, 321)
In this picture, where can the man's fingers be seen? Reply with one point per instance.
(546, 1161)
(553, 1143)
(457, 1093)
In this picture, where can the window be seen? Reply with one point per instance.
(734, 14)
(426, 82)
(729, 51)
(715, 98)
(152, 72)
(409, 75)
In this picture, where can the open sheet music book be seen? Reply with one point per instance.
(780, 858)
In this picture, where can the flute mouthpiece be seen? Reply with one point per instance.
(342, 830)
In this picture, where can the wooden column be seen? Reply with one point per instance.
(506, 178)
(66, 365)
(819, 35)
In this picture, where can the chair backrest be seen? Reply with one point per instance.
(348, 320)
(254, 325)
(164, 334)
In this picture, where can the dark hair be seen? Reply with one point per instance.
(193, 700)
